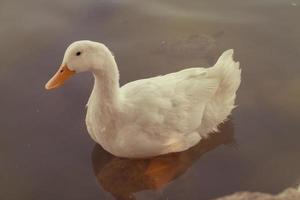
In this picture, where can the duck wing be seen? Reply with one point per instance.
(173, 103)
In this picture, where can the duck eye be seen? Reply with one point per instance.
(78, 53)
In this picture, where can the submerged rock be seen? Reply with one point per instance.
(288, 194)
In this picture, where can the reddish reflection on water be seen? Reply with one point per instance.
(123, 177)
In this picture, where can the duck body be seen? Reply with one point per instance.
(163, 114)
(153, 116)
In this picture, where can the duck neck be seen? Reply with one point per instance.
(105, 95)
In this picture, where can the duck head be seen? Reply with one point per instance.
(79, 57)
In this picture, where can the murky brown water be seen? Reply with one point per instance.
(45, 151)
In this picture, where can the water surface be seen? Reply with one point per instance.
(45, 151)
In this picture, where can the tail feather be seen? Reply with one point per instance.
(230, 73)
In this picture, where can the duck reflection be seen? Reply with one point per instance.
(122, 177)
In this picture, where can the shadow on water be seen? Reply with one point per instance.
(123, 177)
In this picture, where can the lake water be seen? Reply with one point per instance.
(45, 151)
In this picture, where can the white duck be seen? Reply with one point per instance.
(153, 116)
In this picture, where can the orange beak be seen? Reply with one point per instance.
(59, 77)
